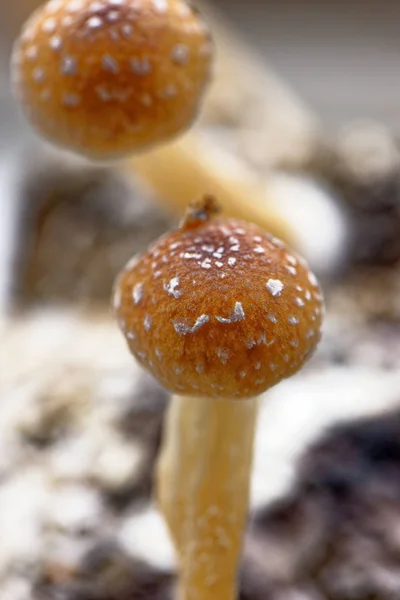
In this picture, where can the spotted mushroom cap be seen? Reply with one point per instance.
(110, 77)
(219, 308)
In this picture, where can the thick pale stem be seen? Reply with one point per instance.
(192, 167)
(203, 488)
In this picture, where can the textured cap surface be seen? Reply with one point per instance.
(109, 77)
(219, 308)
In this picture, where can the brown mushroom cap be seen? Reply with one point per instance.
(109, 77)
(219, 308)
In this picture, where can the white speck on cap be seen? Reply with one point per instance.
(141, 66)
(53, 6)
(70, 100)
(294, 320)
(67, 21)
(180, 54)
(237, 315)
(45, 95)
(127, 29)
(147, 322)
(184, 10)
(161, 6)
(113, 16)
(32, 53)
(110, 64)
(137, 293)
(275, 287)
(55, 42)
(69, 65)
(95, 23)
(49, 25)
(171, 287)
(96, 6)
(38, 74)
(103, 93)
(170, 91)
(184, 329)
(312, 279)
(147, 100)
(74, 6)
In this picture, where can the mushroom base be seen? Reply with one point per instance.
(203, 488)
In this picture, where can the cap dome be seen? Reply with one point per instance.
(109, 77)
(219, 309)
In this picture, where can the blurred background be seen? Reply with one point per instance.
(304, 109)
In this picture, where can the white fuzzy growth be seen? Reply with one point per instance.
(237, 315)
(184, 329)
(275, 287)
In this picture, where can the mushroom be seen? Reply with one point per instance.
(111, 77)
(219, 312)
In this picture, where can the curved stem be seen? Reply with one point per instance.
(203, 486)
(191, 167)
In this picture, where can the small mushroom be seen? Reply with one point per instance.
(112, 77)
(219, 312)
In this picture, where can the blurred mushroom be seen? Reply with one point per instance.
(117, 77)
(105, 79)
(219, 312)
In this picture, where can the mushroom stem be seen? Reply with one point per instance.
(203, 488)
(191, 167)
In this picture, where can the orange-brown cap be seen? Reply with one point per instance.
(110, 77)
(219, 308)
